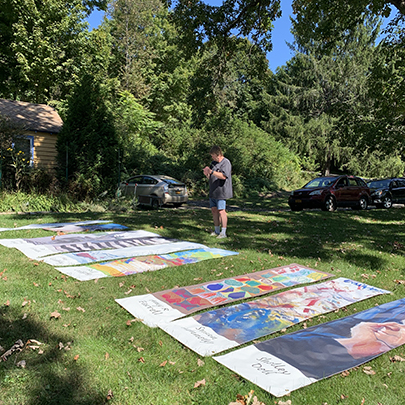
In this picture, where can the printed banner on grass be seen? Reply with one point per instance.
(221, 329)
(165, 306)
(87, 228)
(289, 362)
(134, 265)
(36, 248)
(53, 225)
(92, 256)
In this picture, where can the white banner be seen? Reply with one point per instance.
(36, 248)
(71, 259)
(52, 225)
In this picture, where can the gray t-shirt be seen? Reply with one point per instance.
(221, 189)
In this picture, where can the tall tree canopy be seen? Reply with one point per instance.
(42, 44)
(242, 18)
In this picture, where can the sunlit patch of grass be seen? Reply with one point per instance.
(86, 354)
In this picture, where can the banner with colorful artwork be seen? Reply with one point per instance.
(165, 306)
(36, 248)
(92, 256)
(224, 328)
(134, 265)
(54, 225)
(292, 361)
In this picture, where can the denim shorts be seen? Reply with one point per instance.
(220, 204)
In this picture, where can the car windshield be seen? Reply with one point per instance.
(320, 182)
(379, 183)
(170, 180)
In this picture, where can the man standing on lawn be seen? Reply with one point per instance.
(220, 178)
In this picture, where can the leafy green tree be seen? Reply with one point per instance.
(322, 94)
(329, 21)
(42, 46)
(235, 81)
(87, 145)
(135, 30)
(200, 22)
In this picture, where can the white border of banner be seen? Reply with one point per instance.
(265, 370)
(151, 310)
(198, 338)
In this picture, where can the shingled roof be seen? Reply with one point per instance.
(34, 117)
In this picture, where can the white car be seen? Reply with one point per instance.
(154, 190)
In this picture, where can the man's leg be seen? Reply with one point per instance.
(217, 223)
(223, 217)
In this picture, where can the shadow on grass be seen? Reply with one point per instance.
(355, 237)
(52, 377)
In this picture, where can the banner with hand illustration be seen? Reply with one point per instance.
(224, 328)
(292, 361)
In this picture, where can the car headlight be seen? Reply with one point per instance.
(316, 192)
(378, 193)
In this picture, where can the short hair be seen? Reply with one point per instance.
(216, 150)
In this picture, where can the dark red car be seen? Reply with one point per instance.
(331, 192)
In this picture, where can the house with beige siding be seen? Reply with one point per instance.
(41, 125)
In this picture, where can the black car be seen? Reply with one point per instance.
(330, 192)
(385, 192)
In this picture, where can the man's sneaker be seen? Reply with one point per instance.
(214, 234)
(221, 236)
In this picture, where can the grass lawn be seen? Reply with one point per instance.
(93, 349)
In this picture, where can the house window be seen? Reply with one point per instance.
(25, 144)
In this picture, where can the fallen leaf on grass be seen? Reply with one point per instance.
(198, 279)
(106, 356)
(198, 383)
(368, 370)
(200, 363)
(76, 357)
(110, 395)
(21, 364)
(163, 364)
(66, 309)
(35, 284)
(7, 303)
(284, 403)
(55, 315)
(141, 359)
(140, 349)
(128, 292)
(345, 373)
(80, 309)
(396, 358)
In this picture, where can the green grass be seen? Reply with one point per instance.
(127, 359)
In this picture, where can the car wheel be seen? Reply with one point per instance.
(363, 203)
(330, 204)
(386, 202)
(155, 203)
(295, 208)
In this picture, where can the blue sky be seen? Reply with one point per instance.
(281, 33)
